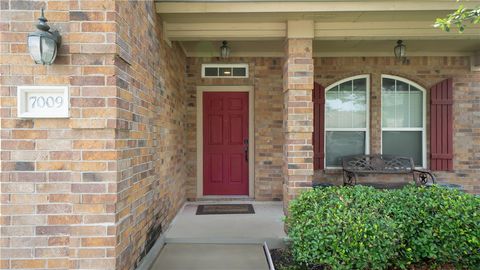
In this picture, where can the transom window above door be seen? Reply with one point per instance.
(403, 119)
(224, 70)
(346, 119)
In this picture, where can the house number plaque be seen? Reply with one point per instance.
(43, 101)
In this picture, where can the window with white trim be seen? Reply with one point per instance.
(224, 70)
(403, 119)
(346, 119)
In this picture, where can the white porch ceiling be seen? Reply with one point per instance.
(348, 28)
(249, 6)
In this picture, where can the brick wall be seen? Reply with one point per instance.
(59, 175)
(89, 191)
(150, 134)
(266, 77)
(426, 71)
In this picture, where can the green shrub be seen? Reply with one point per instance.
(438, 225)
(345, 228)
(365, 228)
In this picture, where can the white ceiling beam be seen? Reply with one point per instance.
(230, 31)
(322, 31)
(300, 29)
(388, 31)
(307, 6)
(245, 53)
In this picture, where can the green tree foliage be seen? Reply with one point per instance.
(459, 19)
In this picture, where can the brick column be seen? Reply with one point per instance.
(298, 111)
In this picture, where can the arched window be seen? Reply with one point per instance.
(346, 119)
(403, 119)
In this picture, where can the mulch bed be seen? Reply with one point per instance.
(283, 260)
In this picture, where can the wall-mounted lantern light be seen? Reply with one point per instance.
(43, 44)
(400, 51)
(224, 50)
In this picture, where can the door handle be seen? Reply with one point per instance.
(245, 149)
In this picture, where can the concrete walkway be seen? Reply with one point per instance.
(211, 242)
(211, 257)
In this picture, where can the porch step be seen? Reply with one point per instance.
(272, 242)
(211, 257)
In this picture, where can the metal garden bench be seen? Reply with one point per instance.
(382, 164)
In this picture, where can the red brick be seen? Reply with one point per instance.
(98, 27)
(87, 80)
(103, 198)
(51, 252)
(88, 188)
(28, 264)
(54, 209)
(58, 241)
(87, 16)
(99, 155)
(18, 145)
(63, 219)
(52, 230)
(87, 102)
(98, 241)
(29, 134)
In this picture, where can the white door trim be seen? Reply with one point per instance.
(251, 133)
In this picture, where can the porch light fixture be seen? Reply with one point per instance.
(224, 50)
(400, 51)
(43, 44)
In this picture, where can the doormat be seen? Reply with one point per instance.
(222, 209)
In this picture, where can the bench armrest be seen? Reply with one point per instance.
(423, 176)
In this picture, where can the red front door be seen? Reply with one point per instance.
(225, 143)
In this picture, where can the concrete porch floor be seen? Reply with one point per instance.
(266, 225)
(231, 241)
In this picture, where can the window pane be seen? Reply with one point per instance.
(388, 85)
(343, 143)
(402, 86)
(403, 143)
(332, 104)
(344, 111)
(360, 85)
(388, 102)
(359, 100)
(346, 105)
(240, 72)
(209, 71)
(401, 108)
(346, 87)
(225, 72)
(388, 109)
(416, 107)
